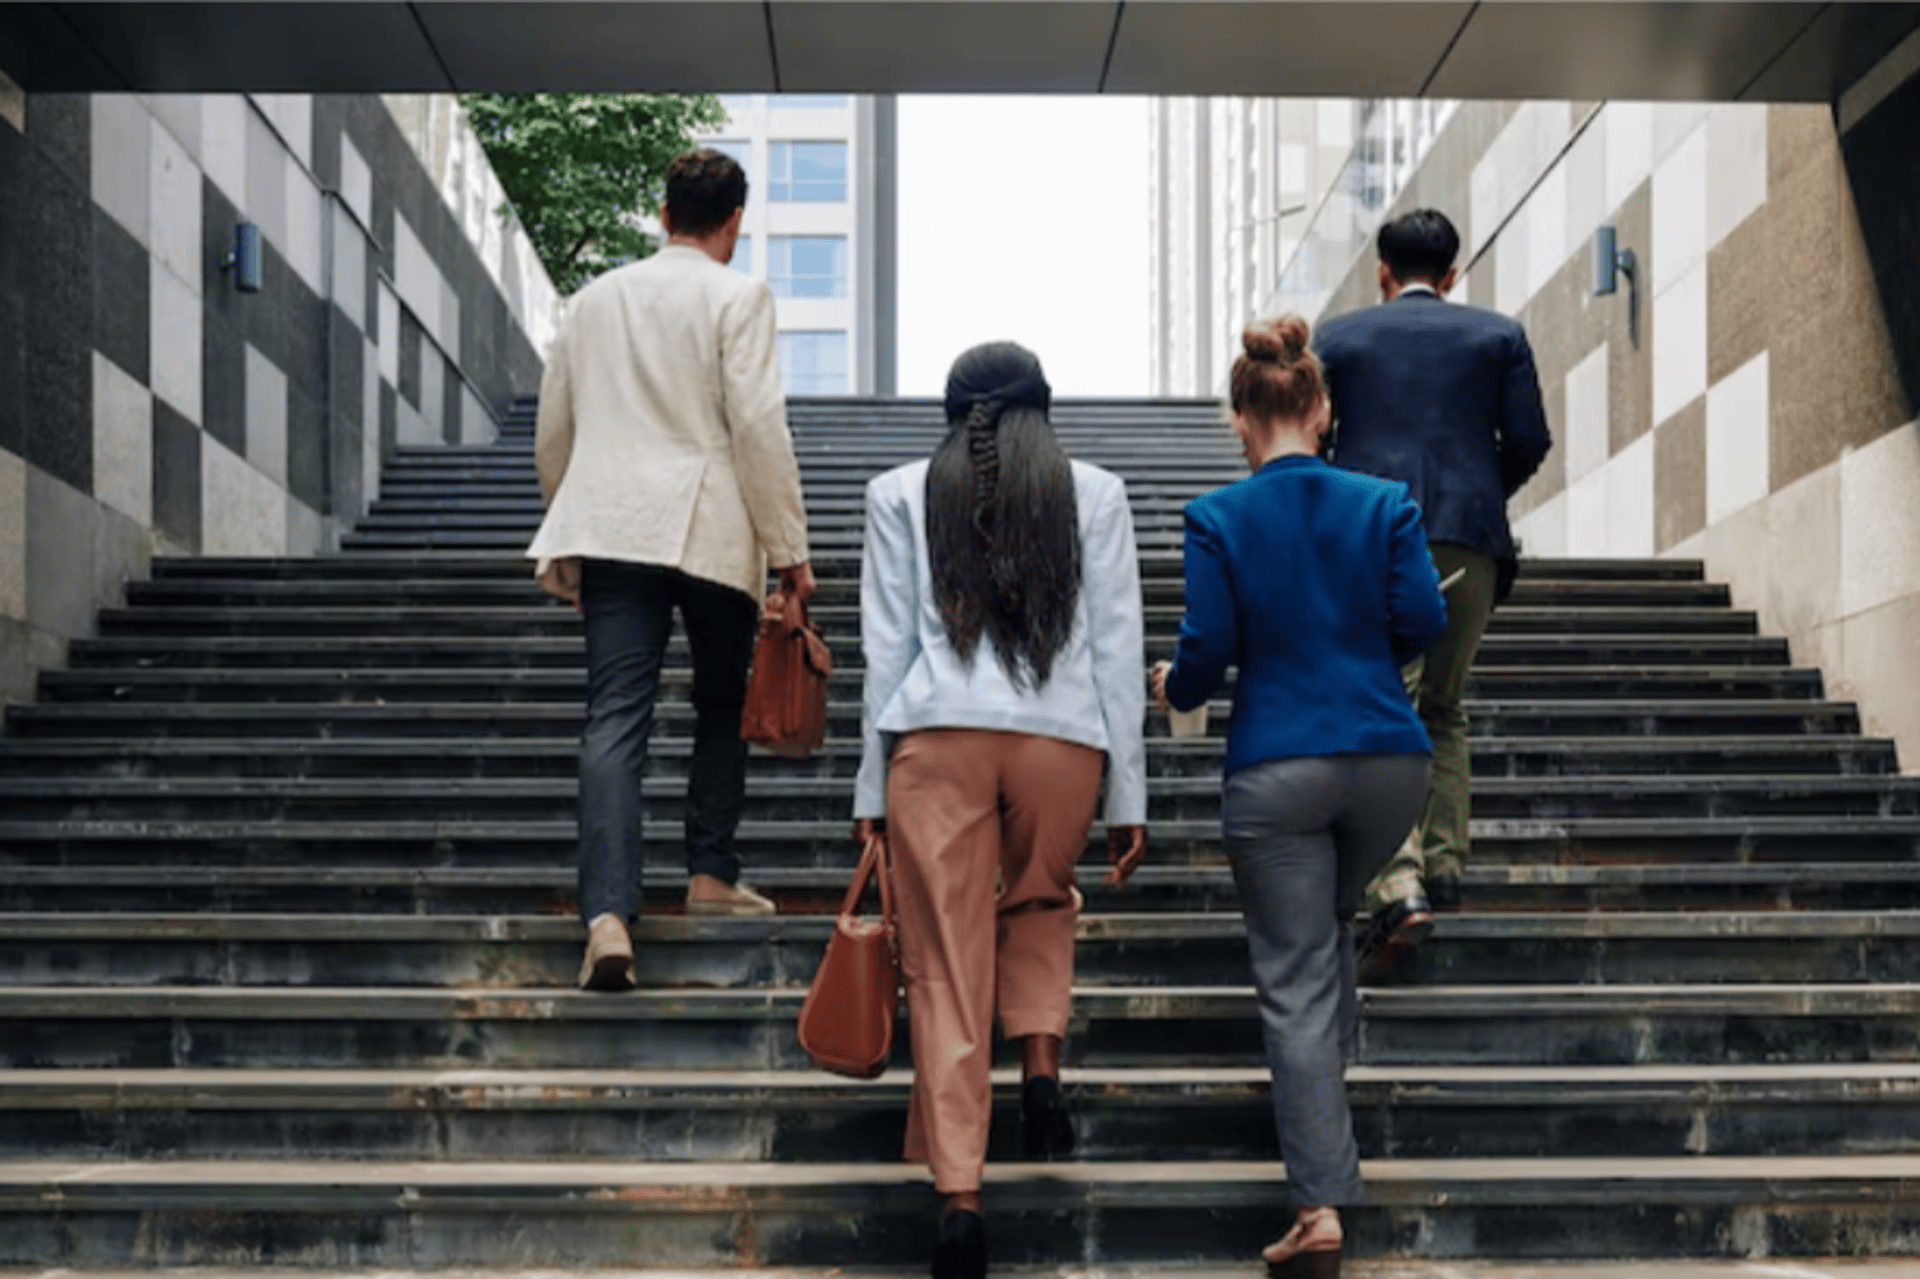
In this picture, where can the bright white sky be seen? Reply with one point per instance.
(1025, 219)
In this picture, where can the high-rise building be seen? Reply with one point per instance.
(1247, 193)
(820, 231)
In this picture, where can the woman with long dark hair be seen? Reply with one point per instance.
(1317, 585)
(1001, 624)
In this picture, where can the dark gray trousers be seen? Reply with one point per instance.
(1304, 837)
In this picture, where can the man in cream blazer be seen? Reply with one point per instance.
(670, 483)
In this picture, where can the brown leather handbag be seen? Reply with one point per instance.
(846, 1023)
(786, 708)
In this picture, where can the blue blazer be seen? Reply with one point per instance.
(1318, 585)
(1445, 399)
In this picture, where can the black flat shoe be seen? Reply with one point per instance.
(1046, 1126)
(1316, 1263)
(1443, 892)
(961, 1252)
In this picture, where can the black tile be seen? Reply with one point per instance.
(59, 248)
(389, 419)
(1899, 288)
(307, 461)
(223, 382)
(410, 344)
(329, 122)
(218, 217)
(176, 476)
(451, 412)
(348, 369)
(13, 381)
(16, 171)
(61, 127)
(59, 428)
(122, 293)
(304, 317)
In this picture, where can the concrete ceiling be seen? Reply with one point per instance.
(1625, 49)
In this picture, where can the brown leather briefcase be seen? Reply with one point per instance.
(846, 1023)
(786, 709)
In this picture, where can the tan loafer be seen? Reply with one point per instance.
(717, 898)
(609, 961)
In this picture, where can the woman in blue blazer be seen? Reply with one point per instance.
(1317, 585)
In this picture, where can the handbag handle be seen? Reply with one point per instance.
(874, 862)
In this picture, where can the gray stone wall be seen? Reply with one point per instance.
(1751, 401)
(148, 407)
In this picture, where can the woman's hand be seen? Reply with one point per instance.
(868, 829)
(1126, 849)
(1159, 676)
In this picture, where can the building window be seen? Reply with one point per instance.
(809, 172)
(809, 101)
(742, 152)
(814, 363)
(743, 255)
(808, 266)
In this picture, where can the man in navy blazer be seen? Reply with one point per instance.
(1445, 399)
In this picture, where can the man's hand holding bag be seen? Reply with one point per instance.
(786, 707)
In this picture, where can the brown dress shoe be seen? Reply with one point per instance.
(609, 961)
(718, 898)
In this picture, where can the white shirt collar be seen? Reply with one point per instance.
(1418, 288)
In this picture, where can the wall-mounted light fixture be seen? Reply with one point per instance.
(244, 258)
(1610, 261)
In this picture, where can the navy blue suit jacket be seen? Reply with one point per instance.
(1318, 585)
(1445, 399)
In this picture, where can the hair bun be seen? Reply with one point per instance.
(1277, 341)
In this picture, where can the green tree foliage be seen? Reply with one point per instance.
(580, 168)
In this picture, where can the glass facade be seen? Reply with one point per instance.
(809, 101)
(742, 153)
(807, 266)
(808, 172)
(814, 362)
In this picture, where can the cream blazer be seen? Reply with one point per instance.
(662, 435)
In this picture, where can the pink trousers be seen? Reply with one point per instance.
(985, 829)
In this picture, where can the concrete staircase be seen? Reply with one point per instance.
(286, 861)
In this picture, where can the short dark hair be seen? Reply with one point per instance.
(704, 188)
(1420, 245)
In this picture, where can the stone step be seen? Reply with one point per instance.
(1497, 652)
(1400, 1112)
(773, 797)
(1147, 950)
(534, 756)
(839, 623)
(394, 717)
(231, 883)
(552, 683)
(517, 590)
(277, 1027)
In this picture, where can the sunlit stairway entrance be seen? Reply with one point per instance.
(285, 965)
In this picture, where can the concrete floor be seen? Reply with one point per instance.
(1908, 1268)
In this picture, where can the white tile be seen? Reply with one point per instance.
(1736, 167)
(1680, 211)
(295, 121)
(266, 415)
(181, 115)
(1803, 535)
(1629, 149)
(1543, 533)
(242, 512)
(266, 181)
(356, 181)
(476, 424)
(13, 104)
(389, 335)
(410, 427)
(349, 266)
(122, 137)
(1587, 436)
(1680, 344)
(1586, 167)
(415, 278)
(302, 245)
(223, 144)
(1880, 521)
(433, 390)
(1546, 229)
(122, 441)
(174, 208)
(1630, 500)
(1737, 435)
(1587, 516)
(13, 535)
(1510, 266)
(1335, 125)
(174, 348)
(449, 335)
(370, 426)
(306, 530)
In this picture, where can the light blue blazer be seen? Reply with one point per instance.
(1096, 695)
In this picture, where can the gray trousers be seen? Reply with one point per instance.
(1304, 837)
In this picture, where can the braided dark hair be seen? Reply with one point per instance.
(1002, 527)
